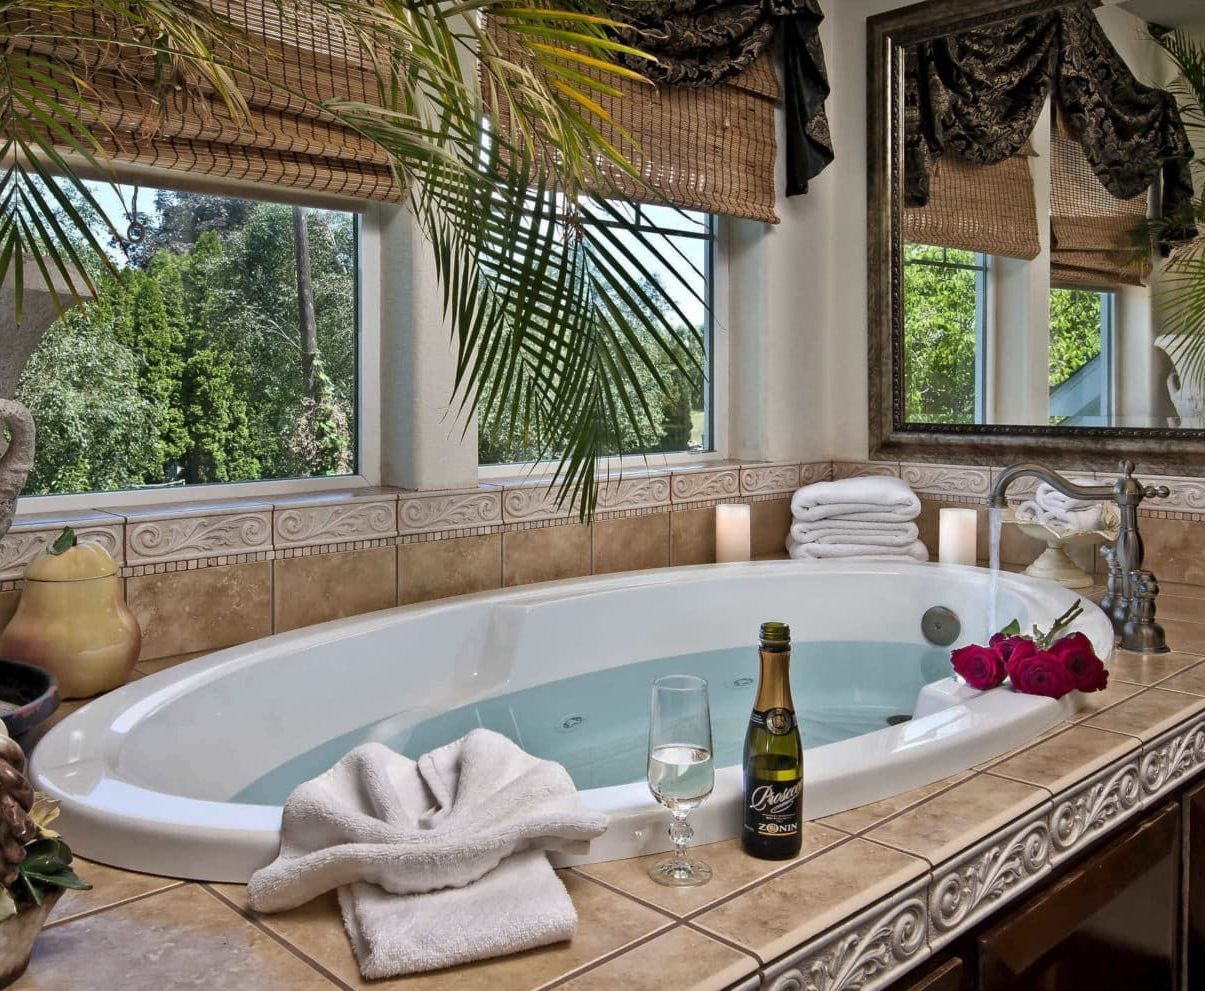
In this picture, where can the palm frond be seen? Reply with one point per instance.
(552, 307)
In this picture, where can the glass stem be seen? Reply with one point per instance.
(681, 833)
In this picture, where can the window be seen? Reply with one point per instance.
(944, 333)
(686, 244)
(204, 358)
(1081, 355)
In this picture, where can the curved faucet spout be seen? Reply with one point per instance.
(999, 494)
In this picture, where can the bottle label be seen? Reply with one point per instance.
(774, 807)
(779, 722)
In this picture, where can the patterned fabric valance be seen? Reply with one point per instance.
(706, 148)
(707, 42)
(291, 58)
(978, 94)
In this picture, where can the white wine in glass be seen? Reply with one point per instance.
(681, 773)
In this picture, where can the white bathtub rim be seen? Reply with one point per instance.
(138, 828)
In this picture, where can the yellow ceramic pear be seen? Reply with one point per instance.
(72, 619)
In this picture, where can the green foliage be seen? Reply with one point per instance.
(187, 365)
(1075, 331)
(939, 336)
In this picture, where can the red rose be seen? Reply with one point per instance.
(980, 667)
(1037, 672)
(1077, 655)
(1006, 645)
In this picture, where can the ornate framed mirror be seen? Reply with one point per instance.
(1014, 312)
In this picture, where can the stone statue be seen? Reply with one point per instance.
(17, 458)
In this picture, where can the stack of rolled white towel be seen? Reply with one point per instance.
(1065, 513)
(855, 518)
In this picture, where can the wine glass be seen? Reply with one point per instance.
(681, 772)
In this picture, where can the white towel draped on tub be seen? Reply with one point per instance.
(438, 861)
(873, 499)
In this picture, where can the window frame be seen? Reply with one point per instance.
(369, 221)
(716, 395)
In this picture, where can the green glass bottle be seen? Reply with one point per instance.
(773, 762)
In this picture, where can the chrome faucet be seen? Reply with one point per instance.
(1130, 600)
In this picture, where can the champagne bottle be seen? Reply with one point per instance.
(773, 763)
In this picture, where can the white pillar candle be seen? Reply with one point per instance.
(732, 533)
(958, 538)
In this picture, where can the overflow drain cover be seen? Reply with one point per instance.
(570, 723)
(940, 626)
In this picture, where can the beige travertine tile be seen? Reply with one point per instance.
(866, 816)
(437, 568)
(1186, 637)
(163, 663)
(681, 958)
(313, 589)
(793, 907)
(1054, 730)
(631, 543)
(1061, 761)
(1175, 549)
(545, 554)
(769, 523)
(8, 606)
(957, 818)
(1191, 680)
(732, 870)
(1180, 588)
(1146, 669)
(692, 536)
(182, 937)
(204, 609)
(110, 886)
(1148, 714)
(1091, 703)
(606, 922)
(1183, 608)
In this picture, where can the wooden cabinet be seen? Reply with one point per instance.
(1111, 923)
(1194, 888)
(945, 976)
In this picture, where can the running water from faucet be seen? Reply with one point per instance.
(995, 529)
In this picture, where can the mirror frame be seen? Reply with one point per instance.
(892, 438)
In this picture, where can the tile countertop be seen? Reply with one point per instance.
(756, 923)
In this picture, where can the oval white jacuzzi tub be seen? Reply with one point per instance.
(166, 774)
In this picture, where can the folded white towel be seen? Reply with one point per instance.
(839, 531)
(1099, 516)
(915, 551)
(872, 499)
(437, 861)
(1053, 501)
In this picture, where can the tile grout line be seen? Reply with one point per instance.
(88, 913)
(253, 920)
(606, 958)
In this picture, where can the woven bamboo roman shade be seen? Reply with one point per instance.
(708, 148)
(294, 58)
(1092, 232)
(985, 208)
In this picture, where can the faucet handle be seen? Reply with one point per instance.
(1156, 492)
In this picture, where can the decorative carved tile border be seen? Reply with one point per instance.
(769, 479)
(29, 538)
(975, 883)
(947, 479)
(1091, 809)
(183, 538)
(1167, 761)
(716, 484)
(869, 951)
(860, 469)
(334, 522)
(634, 492)
(454, 510)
